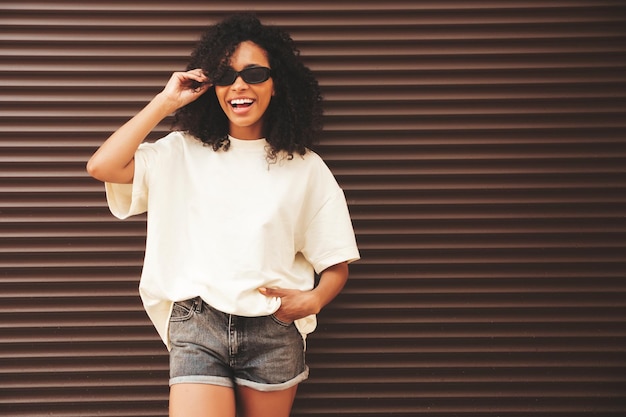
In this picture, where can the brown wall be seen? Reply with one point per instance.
(482, 147)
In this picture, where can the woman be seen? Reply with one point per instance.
(241, 215)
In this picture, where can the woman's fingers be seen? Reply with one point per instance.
(185, 87)
(196, 75)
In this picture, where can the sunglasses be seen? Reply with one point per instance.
(252, 75)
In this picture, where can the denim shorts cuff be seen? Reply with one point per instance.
(274, 387)
(203, 379)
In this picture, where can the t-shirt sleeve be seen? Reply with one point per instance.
(127, 200)
(329, 238)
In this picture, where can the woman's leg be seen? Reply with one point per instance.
(201, 400)
(253, 403)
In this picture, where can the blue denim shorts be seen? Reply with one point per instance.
(212, 347)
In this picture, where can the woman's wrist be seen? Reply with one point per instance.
(166, 104)
(315, 302)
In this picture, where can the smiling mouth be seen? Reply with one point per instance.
(241, 103)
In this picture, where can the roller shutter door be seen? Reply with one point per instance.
(482, 148)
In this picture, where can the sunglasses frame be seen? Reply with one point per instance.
(242, 74)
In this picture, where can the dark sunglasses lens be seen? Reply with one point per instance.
(255, 75)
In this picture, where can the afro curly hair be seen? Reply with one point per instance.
(293, 119)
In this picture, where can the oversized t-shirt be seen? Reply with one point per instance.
(222, 224)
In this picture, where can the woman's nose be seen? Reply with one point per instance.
(239, 83)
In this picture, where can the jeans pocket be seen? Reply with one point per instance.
(280, 322)
(183, 310)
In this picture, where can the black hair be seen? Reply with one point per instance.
(293, 119)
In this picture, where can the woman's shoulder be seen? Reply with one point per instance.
(171, 147)
(174, 140)
(180, 137)
(315, 161)
(313, 166)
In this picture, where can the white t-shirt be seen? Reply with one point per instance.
(222, 224)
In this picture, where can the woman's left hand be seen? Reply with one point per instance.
(294, 304)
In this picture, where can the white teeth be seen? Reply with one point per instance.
(238, 101)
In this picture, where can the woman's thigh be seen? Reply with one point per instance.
(201, 400)
(254, 403)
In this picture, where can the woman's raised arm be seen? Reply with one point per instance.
(114, 160)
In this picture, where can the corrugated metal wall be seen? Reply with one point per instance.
(481, 144)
